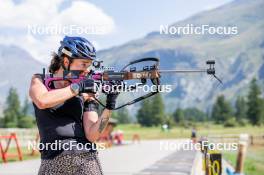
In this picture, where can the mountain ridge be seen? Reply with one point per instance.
(16, 68)
(238, 58)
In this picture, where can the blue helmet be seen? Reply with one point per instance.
(77, 47)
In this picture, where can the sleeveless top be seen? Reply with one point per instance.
(61, 129)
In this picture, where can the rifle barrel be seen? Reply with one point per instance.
(183, 71)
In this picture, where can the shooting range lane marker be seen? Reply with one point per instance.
(177, 163)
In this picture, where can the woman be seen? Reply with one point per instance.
(67, 116)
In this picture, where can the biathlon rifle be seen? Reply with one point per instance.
(102, 75)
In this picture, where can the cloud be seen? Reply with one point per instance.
(18, 21)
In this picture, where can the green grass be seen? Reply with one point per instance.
(203, 129)
(25, 153)
(254, 160)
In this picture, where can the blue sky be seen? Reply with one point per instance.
(136, 18)
(122, 20)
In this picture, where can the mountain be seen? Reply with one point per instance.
(239, 57)
(16, 69)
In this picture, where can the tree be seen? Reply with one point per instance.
(1, 122)
(168, 119)
(122, 116)
(230, 122)
(178, 115)
(222, 110)
(25, 108)
(255, 111)
(151, 112)
(240, 108)
(194, 114)
(25, 120)
(157, 110)
(144, 113)
(262, 110)
(12, 111)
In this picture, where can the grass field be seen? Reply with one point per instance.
(203, 129)
(254, 160)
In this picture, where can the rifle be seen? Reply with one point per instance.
(104, 75)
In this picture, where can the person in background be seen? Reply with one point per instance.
(193, 135)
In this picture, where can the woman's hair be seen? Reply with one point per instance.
(56, 63)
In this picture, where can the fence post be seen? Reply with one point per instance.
(242, 147)
(17, 146)
(36, 141)
(2, 153)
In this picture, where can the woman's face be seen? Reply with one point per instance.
(81, 64)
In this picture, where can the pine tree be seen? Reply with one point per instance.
(122, 116)
(25, 108)
(254, 112)
(157, 110)
(222, 110)
(12, 111)
(178, 116)
(1, 122)
(25, 120)
(194, 114)
(262, 110)
(241, 108)
(144, 113)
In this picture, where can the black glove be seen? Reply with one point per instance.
(87, 86)
(91, 106)
(111, 101)
(112, 96)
